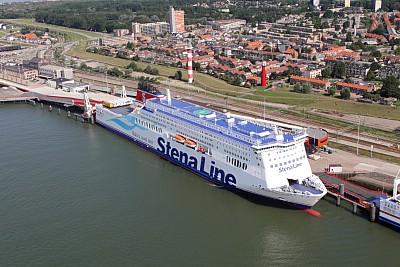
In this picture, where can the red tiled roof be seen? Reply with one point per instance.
(311, 80)
(206, 36)
(291, 51)
(352, 85)
(375, 36)
(29, 36)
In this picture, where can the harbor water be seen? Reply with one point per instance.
(74, 194)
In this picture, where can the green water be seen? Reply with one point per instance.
(74, 194)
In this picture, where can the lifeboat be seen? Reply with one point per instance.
(180, 138)
(190, 143)
(201, 149)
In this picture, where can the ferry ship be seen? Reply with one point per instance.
(389, 207)
(243, 154)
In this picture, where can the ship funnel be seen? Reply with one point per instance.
(169, 97)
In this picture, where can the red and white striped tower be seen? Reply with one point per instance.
(190, 63)
(263, 74)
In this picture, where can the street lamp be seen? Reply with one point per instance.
(358, 132)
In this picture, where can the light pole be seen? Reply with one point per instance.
(358, 132)
(264, 107)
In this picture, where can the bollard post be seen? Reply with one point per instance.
(41, 105)
(338, 200)
(372, 212)
(59, 111)
(34, 103)
(92, 119)
(50, 108)
(354, 208)
(69, 114)
(341, 189)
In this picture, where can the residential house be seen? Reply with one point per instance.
(314, 82)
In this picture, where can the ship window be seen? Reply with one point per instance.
(276, 165)
(272, 166)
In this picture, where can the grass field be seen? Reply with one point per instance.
(3, 33)
(284, 95)
(70, 34)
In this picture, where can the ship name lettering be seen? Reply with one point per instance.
(291, 167)
(210, 170)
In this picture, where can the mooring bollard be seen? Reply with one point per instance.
(354, 208)
(338, 200)
(69, 114)
(372, 212)
(59, 111)
(50, 108)
(341, 189)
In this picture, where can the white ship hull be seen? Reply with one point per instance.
(212, 167)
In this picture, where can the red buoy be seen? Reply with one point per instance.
(313, 213)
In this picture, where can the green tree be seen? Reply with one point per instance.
(339, 69)
(325, 25)
(297, 88)
(397, 51)
(328, 14)
(346, 24)
(380, 30)
(370, 76)
(374, 66)
(326, 73)
(345, 93)
(349, 37)
(306, 88)
(115, 72)
(178, 75)
(376, 54)
(332, 90)
(237, 81)
(391, 87)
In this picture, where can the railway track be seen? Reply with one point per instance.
(338, 132)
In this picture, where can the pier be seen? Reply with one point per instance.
(342, 189)
(11, 94)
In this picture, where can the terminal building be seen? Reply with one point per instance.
(317, 137)
(52, 71)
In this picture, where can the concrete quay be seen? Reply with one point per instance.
(46, 93)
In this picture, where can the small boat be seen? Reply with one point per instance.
(180, 138)
(190, 143)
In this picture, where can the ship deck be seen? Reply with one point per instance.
(225, 123)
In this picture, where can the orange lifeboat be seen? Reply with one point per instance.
(190, 143)
(180, 138)
(201, 149)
